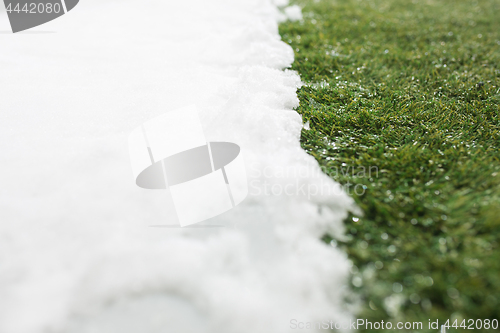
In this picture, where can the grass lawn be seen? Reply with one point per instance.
(412, 90)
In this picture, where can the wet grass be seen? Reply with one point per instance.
(402, 99)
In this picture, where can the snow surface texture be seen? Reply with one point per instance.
(77, 250)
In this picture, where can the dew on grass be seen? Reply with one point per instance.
(415, 298)
(397, 287)
(393, 304)
(426, 304)
(428, 281)
(453, 293)
(357, 281)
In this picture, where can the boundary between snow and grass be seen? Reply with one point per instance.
(85, 257)
(413, 89)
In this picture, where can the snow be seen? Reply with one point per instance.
(293, 13)
(77, 250)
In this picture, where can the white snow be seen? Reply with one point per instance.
(77, 253)
(293, 13)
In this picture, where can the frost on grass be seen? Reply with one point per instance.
(77, 251)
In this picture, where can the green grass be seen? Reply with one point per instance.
(411, 89)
